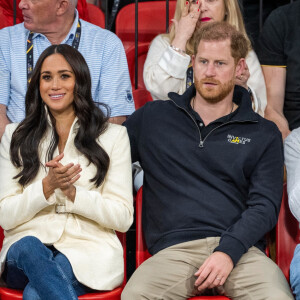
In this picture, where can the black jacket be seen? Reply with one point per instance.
(224, 179)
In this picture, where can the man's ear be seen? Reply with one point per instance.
(240, 67)
(62, 6)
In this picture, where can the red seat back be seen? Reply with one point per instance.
(142, 55)
(287, 235)
(152, 21)
(96, 15)
(141, 97)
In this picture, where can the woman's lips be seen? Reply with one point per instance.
(205, 19)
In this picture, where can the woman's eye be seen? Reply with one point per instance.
(46, 77)
(65, 76)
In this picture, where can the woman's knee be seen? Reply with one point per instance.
(25, 248)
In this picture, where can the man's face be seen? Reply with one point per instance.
(215, 70)
(39, 15)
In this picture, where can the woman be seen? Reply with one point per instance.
(167, 67)
(65, 186)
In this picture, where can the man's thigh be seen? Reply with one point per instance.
(256, 277)
(169, 274)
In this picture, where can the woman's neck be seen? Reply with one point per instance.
(63, 126)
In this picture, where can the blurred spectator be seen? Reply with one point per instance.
(278, 52)
(7, 12)
(251, 14)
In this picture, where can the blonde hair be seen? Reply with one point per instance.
(233, 16)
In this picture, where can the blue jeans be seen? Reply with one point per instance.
(295, 273)
(43, 272)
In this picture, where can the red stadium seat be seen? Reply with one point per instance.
(152, 21)
(96, 15)
(141, 97)
(142, 55)
(10, 294)
(7, 13)
(141, 249)
(287, 236)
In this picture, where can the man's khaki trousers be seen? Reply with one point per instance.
(169, 274)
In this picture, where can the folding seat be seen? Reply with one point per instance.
(95, 15)
(142, 55)
(141, 97)
(287, 235)
(141, 249)
(7, 13)
(151, 21)
(115, 294)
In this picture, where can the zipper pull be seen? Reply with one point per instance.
(201, 144)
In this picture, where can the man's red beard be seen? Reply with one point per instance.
(216, 93)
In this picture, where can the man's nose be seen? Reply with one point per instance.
(23, 4)
(210, 70)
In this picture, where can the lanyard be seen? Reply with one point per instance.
(189, 77)
(29, 50)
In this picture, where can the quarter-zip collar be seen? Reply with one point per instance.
(241, 97)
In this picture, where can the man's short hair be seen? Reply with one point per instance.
(220, 31)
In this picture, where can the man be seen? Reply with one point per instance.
(212, 184)
(278, 52)
(54, 22)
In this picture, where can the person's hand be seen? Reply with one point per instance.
(185, 27)
(243, 78)
(214, 272)
(60, 176)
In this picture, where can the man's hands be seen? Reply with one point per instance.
(62, 177)
(213, 272)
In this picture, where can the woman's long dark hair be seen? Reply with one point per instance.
(27, 137)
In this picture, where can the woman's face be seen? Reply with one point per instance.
(211, 10)
(57, 82)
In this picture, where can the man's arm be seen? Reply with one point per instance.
(117, 120)
(115, 86)
(3, 119)
(275, 78)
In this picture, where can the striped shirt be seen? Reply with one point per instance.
(102, 50)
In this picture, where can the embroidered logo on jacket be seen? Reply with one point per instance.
(237, 139)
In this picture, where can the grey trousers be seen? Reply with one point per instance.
(169, 274)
